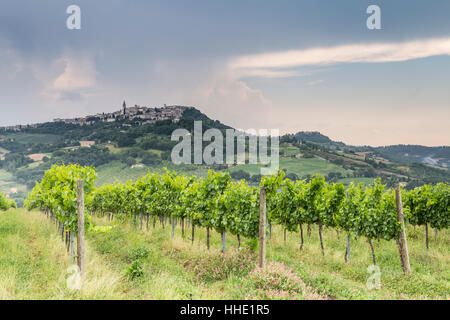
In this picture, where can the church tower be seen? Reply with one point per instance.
(124, 107)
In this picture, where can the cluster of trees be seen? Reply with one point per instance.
(93, 156)
(29, 176)
(12, 161)
(32, 147)
(428, 174)
(6, 203)
(256, 178)
(334, 176)
(157, 142)
(12, 146)
(397, 152)
(241, 174)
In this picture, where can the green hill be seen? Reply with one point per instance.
(124, 148)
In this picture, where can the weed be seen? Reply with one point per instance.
(138, 253)
(217, 266)
(135, 270)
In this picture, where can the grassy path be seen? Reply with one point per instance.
(164, 273)
(328, 274)
(128, 263)
(34, 262)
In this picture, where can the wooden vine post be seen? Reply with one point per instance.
(347, 250)
(262, 228)
(401, 242)
(80, 240)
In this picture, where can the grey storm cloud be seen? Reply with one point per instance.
(193, 53)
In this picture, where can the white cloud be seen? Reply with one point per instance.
(78, 74)
(67, 77)
(351, 53)
(232, 101)
(267, 73)
(211, 87)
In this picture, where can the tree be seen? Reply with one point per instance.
(125, 141)
(314, 193)
(240, 174)
(207, 216)
(429, 205)
(239, 208)
(6, 203)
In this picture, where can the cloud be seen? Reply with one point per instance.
(315, 83)
(226, 95)
(267, 73)
(67, 78)
(211, 87)
(231, 100)
(78, 74)
(351, 53)
(241, 105)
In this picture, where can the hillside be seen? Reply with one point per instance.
(126, 144)
(405, 154)
(437, 156)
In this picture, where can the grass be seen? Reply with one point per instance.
(118, 171)
(129, 263)
(429, 279)
(35, 138)
(34, 263)
(301, 167)
(288, 151)
(34, 164)
(347, 181)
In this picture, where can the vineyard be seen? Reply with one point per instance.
(6, 203)
(219, 203)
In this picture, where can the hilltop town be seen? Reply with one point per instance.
(145, 115)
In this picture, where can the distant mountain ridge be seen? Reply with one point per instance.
(438, 156)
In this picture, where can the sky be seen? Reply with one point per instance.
(291, 65)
